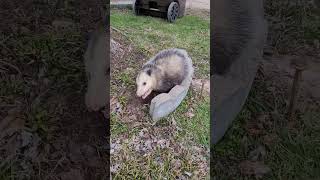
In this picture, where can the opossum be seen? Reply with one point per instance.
(232, 22)
(239, 33)
(165, 70)
(97, 69)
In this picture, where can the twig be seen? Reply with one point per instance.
(202, 87)
(299, 65)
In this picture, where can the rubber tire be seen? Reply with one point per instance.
(173, 12)
(136, 10)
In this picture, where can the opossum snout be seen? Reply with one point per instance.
(138, 93)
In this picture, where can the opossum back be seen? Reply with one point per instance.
(172, 65)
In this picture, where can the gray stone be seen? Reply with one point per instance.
(165, 103)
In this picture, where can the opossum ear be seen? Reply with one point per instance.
(149, 71)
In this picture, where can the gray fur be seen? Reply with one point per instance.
(165, 81)
(232, 31)
(239, 36)
(97, 69)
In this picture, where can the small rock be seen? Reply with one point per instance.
(188, 173)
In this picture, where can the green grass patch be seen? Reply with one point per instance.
(196, 124)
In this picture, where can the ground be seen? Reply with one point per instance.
(177, 146)
(262, 142)
(46, 132)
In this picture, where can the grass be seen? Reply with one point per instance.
(292, 146)
(292, 154)
(198, 126)
(292, 25)
(151, 34)
(188, 125)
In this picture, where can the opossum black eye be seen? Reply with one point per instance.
(149, 72)
(144, 83)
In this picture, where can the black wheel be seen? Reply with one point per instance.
(135, 7)
(173, 12)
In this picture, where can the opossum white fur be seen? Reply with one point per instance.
(165, 70)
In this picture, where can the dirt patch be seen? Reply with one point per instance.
(279, 70)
